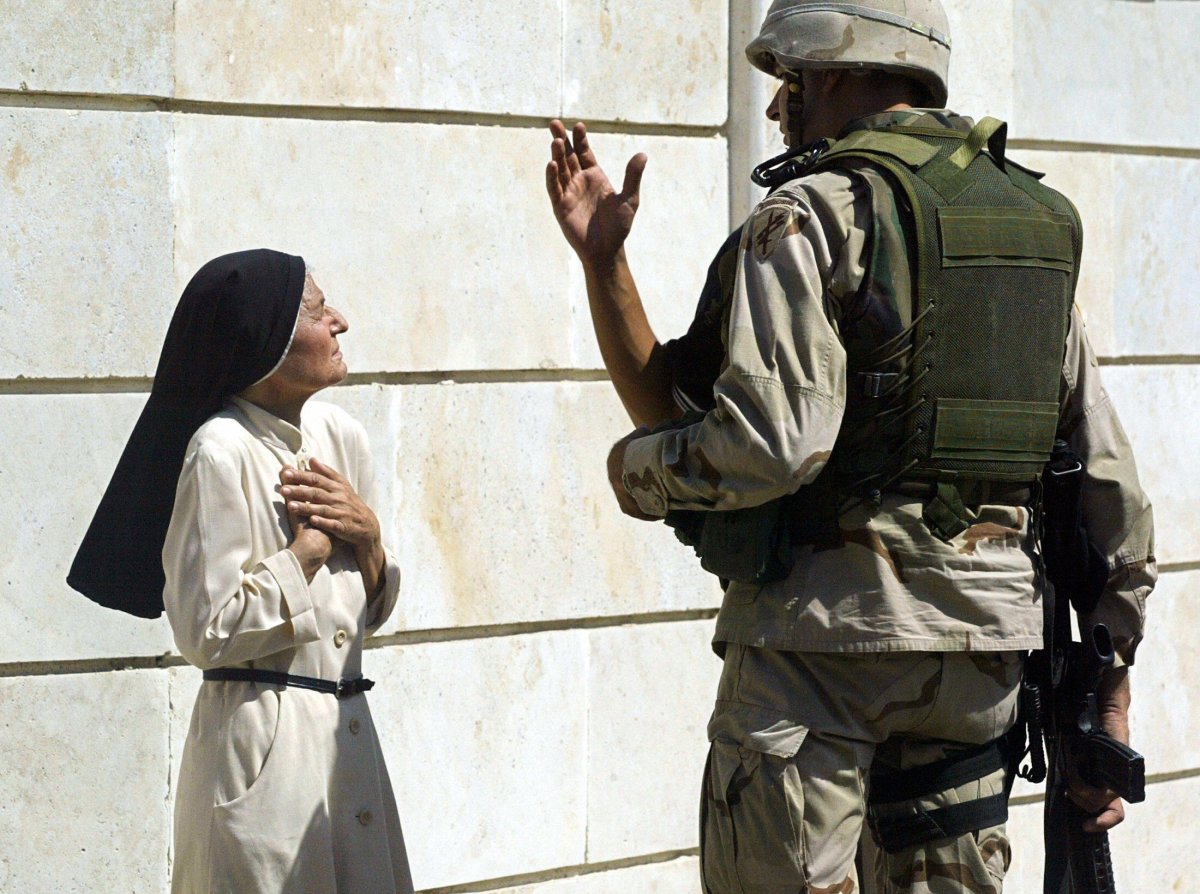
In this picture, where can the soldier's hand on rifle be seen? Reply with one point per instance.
(1106, 808)
(616, 471)
(593, 216)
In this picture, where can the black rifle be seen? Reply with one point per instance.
(1059, 694)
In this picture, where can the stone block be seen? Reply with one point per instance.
(1152, 850)
(504, 512)
(437, 271)
(1156, 215)
(60, 452)
(85, 795)
(439, 54)
(85, 242)
(108, 46)
(678, 876)
(486, 744)
(1155, 850)
(1155, 403)
(1166, 681)
(1110, 73)
(659, 63)
(651, 694)
(981, 62)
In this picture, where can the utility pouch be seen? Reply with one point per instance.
(750, 546)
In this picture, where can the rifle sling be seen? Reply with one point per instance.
(894, 834)
(897, 833)
(951, 772)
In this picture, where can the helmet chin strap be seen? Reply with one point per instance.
(794, 103)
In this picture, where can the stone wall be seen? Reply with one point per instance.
(545, 684)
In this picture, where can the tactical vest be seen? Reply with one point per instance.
(960, 401)
(965, 395)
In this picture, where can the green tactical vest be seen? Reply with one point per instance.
(962, 396)
(968, 391)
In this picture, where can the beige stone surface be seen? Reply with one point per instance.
(647, 62)
(84, 782)
(437, 241)
(59, 452)
(1108, 73)
(982, 57)
(1152, 850)
(651, 690)
(486, 745)
(437, 54)
(1156, 407)
(752, 137)
(678, 876)
(1156, 218)
(85, 242)
(104, 46)
(504, 511)
(1165, 715)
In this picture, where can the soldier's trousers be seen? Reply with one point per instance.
(794, 736)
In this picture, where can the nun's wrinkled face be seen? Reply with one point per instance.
(314, 360)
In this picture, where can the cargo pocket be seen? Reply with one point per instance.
(750, 841)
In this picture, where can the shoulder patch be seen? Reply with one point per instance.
(771, 223)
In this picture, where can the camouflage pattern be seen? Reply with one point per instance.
(784, 801)
(910, 38)
(822, 266)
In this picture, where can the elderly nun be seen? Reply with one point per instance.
(246, 509)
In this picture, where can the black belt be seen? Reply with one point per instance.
(340, 689)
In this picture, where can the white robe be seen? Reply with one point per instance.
(281, 790)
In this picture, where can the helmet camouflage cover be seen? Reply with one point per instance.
(908, 37)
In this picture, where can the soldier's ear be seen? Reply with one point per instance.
(831, 80)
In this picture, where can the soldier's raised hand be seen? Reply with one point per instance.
(593, 216)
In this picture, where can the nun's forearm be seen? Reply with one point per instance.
(372, 562)
(312, 549)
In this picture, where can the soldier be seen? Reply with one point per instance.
(851, 433)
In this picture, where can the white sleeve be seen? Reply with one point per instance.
(223, 609)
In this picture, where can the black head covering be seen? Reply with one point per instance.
(232, 327)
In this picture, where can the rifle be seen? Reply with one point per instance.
(1059, 693)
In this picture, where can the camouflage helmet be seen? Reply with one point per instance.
(908, 37)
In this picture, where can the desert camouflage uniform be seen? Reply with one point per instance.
(821, 269)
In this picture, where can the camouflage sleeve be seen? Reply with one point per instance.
(1117, 512)
(780, 397)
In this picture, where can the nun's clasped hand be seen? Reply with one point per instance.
(330, 504)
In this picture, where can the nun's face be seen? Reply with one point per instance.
(314, 361)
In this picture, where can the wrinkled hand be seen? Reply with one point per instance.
(1106, 809)
(593, 216)
(311, 546)
(616, 470)
(326, 501)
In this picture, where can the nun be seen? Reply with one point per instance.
(245, 509)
